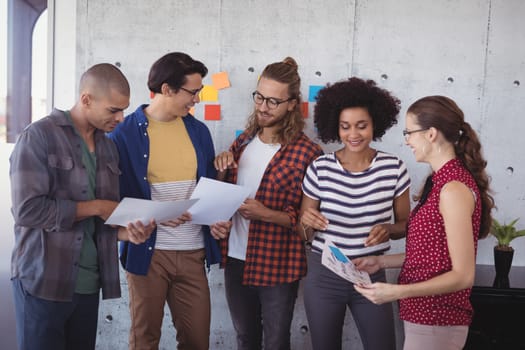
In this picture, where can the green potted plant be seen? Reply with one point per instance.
(503, 252)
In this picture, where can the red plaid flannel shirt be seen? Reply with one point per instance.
(275, 254)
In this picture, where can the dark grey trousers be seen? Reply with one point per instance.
(326, 297)
(259, 312)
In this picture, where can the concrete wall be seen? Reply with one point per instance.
(470, 50)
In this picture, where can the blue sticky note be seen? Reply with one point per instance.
(313, 91)
(238, 132)
(338, 254)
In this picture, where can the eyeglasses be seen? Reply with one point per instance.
(407, 133)
(271, 102)
(192, 92)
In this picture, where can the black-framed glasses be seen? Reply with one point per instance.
(271, 102)
(192, 92)
(407, 133)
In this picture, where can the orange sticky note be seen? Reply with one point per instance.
(304, 109)
(212, 112)
(220, 80)
(209, 93)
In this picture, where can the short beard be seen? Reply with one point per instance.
(274, 122)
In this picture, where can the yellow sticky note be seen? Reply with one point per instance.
(220, 80)
(209, 94)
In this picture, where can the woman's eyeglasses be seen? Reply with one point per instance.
(407, 133)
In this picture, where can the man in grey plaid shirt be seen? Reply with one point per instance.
(65, 184)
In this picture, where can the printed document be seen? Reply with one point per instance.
(218, 201)
(134, 209)
(334, 259)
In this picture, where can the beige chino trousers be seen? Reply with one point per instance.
(178, 278)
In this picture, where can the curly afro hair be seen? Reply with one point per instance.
(382, 106)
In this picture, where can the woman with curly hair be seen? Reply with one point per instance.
(437, 270)
(357, 198)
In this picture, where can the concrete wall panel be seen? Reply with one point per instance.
(135, 33)
(503, 119)
(418, 48)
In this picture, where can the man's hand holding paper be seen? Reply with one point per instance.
(178, 221)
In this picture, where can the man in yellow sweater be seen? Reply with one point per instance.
(164, 151)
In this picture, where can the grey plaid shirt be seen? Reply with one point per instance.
(47, 179)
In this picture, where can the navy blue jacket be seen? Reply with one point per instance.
(131, 138)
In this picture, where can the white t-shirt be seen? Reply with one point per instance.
(251, 167)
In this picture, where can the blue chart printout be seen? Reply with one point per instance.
(334, 259)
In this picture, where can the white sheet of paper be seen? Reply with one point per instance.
(336, 261)
(134, 209)
(218, 201)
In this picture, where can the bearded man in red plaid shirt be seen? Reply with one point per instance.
(263, 255)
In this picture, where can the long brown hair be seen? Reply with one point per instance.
(442, 113)
(285, 72)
